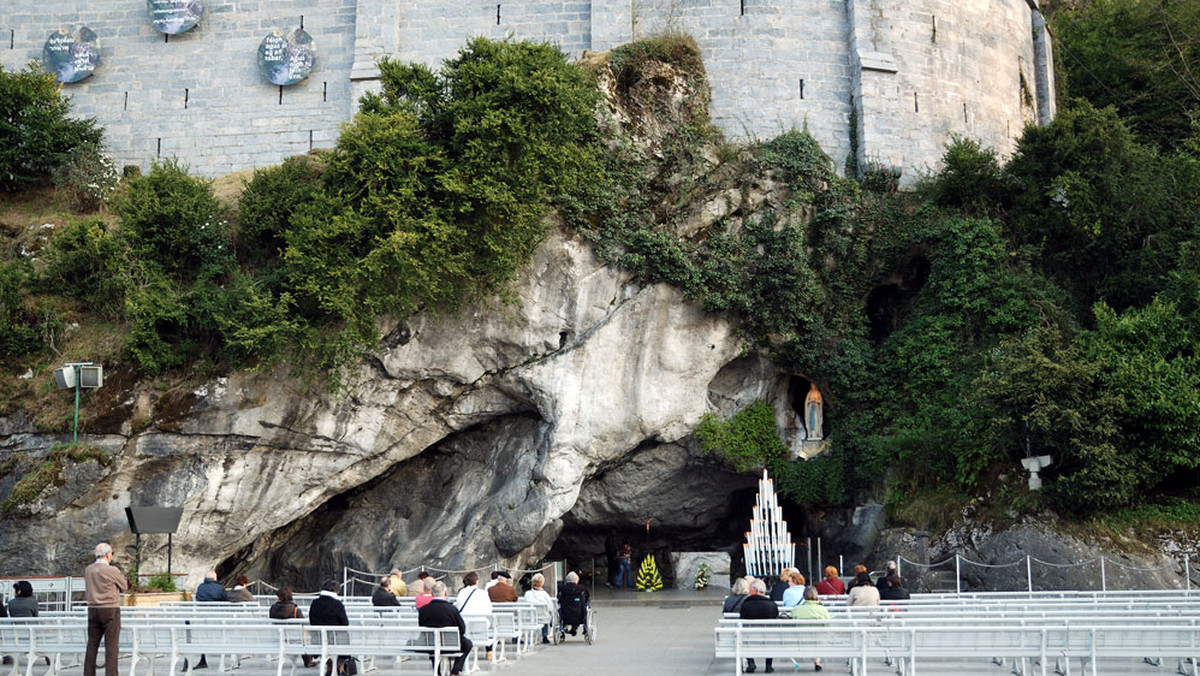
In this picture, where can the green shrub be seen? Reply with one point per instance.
(36, 134)
(971, 178)
(25, 325)
(266, 206)
(747, 440)
(87, 261)
(437, 193)
(87, 177)
(158, 320)
(163, 582)
(173, 221)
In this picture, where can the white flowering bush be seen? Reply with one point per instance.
(87, 177)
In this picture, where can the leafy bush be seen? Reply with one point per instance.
(36, 134)
(971, 178)
(1105, 210)
(172, 221)
(266, 207)
(87, 261)
(155, 313)
(747, 440)
(19, 331)
(87, 176)
(438, 191)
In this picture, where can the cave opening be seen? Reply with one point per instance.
(884, 301)
(581, 543)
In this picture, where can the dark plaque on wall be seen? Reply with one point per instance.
(71, 55)
(285, 59)
(175, 16)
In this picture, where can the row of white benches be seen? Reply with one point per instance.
(284, 642)
(996, 630)
(176, 632)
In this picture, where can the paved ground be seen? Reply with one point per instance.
(669, 634)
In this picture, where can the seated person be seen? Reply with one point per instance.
(758, 606)
(239, 593)
(285, 608)
(894, 589)
(383, 596)
(23, 604)
(538, 596)
(831, 585)
(502, 591)
(572, 604)
(439, 612)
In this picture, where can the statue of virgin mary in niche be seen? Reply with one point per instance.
(814, 416)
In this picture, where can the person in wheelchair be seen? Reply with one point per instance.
(573, 604)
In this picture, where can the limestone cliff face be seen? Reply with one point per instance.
(463, 441)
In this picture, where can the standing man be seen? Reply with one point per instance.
(103, 585)
(441, 613)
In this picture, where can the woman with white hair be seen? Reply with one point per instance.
(538, 596)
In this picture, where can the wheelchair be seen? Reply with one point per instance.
(574, 611)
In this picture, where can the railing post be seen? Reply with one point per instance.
(1029, 572)
(1103, 576)
(1187, 571)
(957, 575)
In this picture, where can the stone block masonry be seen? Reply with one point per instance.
(913, 72)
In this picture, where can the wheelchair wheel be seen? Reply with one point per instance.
(590, 632)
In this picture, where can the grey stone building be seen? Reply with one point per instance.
(887, 80)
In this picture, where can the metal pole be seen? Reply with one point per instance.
(1103, 577)
(1029, 572)
(75, 426)
(1187, 571)
(819, 554)
(168, 554)
(957, 576)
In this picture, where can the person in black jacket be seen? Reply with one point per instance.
(327, 610)
(882, 583)
(441, 613)
(758, 606)
(23, 604)
(893, 590)
(383, 596)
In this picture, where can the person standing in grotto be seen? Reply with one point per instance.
(611, 545)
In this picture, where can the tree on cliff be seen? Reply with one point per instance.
(36, 130)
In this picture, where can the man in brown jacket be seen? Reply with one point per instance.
(502, 591)
(103, 586)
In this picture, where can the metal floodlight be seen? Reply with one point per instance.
(91, 377)
(76, 376)
(65, 378)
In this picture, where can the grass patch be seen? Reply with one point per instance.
(1168, 515)
(46, 470)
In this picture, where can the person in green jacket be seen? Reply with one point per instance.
(811, 609)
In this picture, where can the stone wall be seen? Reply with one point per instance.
(913, 72)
